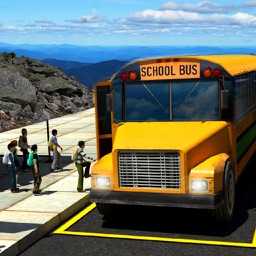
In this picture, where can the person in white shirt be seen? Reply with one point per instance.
(82, 161)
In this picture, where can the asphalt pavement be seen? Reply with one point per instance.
(25, 217)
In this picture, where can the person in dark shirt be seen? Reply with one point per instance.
(16, 162)
(23, 144)
(12, 168)
(35, 170)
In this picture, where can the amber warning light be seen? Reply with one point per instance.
(208, 72)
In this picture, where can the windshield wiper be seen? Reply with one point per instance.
(185, 99)
(154, 97)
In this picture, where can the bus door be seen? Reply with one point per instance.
(103, 120)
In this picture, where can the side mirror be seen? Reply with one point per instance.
(225, 105)
(109, 101)
(224, 99)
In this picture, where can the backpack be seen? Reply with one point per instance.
(5, 157)
(50, 142)
(74, 155)
(30, 161)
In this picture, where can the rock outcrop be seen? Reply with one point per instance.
(32, 91)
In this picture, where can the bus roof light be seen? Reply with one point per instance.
(132, 75)
(124, 76)
(216, 72)
(207, 72)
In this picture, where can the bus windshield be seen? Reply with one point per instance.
(193, 100)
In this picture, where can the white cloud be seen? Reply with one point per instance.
(244, 19)
(11, 28)
(208, 7)
(251, 3)
(151, 16)
(44, 21)
(201, 7)
(89, 19)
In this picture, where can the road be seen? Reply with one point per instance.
(154, 231)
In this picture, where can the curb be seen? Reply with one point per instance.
(47, 227)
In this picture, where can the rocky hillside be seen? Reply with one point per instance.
(32, 91)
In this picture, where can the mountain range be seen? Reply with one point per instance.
(92, 63)
(87, 73)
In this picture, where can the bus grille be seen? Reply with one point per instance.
(149, 169)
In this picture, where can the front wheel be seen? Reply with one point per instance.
(105, 209)
(224, 213)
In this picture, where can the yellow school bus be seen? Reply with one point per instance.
(175, 131)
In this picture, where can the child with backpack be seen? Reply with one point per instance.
(33, 162)
(12, 168)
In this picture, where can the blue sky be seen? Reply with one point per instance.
(128, 22)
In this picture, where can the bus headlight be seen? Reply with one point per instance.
(199, 185)
(102, 182)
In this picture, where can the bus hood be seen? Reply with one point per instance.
(166, 135)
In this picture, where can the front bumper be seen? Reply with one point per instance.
(157, 199)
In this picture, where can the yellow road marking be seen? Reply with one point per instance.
(63, 231)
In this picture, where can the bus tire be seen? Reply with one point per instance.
(224, 213)
(105, 209)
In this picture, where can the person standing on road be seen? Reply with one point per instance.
(23, 144)
(33, 161)
(12, 168)
(16, 162)
(81, 162)
(56, 154)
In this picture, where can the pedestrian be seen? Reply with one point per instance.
(33, 162)
(82, 160)
(56, 154)
(23, 144)
(12, 168)
(16, 162)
